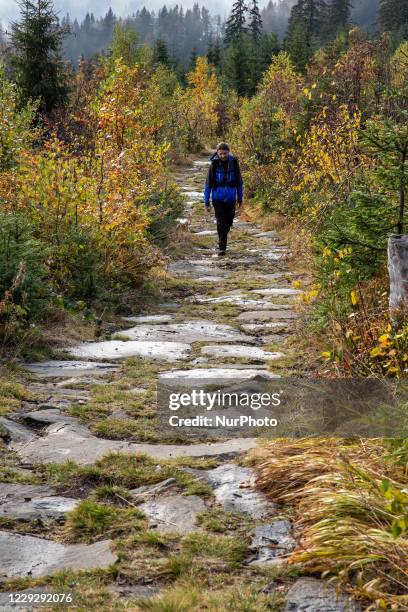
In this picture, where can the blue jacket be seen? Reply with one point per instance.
(223, 185)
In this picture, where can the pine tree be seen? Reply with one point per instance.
(161, 53)
(305, 29)
(255, 23)
(214, 53)
(193, 58)
(338, 17)
(235, 26)
(37, 44)
(393, 15)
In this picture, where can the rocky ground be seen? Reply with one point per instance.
(97, 501)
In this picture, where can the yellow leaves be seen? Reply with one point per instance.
(385, 341)
(297, 284)
(377, 352)
(354, 298)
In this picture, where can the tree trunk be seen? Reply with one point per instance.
(398, 271)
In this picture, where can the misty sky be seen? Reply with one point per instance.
(79, 8)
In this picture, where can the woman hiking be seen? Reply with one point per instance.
(224, 186)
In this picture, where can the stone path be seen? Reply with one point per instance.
(232, 326)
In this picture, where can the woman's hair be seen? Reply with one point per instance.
(223, 146)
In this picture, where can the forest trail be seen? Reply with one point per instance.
(233, 326)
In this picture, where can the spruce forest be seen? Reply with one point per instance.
(106, 125)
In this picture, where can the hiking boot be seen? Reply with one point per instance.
(221, 253)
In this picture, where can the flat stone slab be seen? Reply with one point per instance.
(276, 254)
(277, 291)
(17, 432)
(158, 318)
(30, 502)
(49, 415)
(234, 300)
(216, 374)
(251, 352)
(313, 595)
(233, 491)
(209, 279)
(272, 542)
(265, 327)
(191, 331)
(68, 441)
(205, 233)
(185, 268)
(175, 513)
(194, 195)
(265, 315)
(23, 555)
(117, 349)
(69, 369)
(269, 234)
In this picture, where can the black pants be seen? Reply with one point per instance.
(224, 213)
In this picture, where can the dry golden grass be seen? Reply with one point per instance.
(351, 510)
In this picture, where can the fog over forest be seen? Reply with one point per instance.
(187, 29)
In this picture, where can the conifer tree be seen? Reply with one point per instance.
(393, 15)
(255, 21)
(235, 26)
(161, 53)
(305, 29)
(37, 45)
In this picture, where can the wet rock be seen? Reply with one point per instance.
(175, 513)
(264, 327)
(17, 433)
(30, 502)
(199, 330)
(233, 490)
(276, 254)
(23, 555)
(250, 352)
(216, 374)
(69, 369)
(277, 291)
(116, 349)
(235, 300)
(272, 542)
(158, 318)
(50, 415)
(68, 441)
(312, 595)
(265, 315)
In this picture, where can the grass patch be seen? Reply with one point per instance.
(91, 519)
(14, 475)
(187, 598)
(229, 549)
(123, 470)
(12, 393)
(143, 430)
